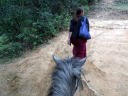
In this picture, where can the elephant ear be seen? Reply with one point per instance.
(57, 60)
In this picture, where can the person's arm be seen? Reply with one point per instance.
(70, 32)
(69, 36)
(88, 26)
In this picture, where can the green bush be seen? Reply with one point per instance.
(10, 50)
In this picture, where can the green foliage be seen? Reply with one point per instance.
(10, 50)
(25, 24)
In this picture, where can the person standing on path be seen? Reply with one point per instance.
(79, 43)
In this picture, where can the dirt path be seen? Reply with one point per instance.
(105, 69)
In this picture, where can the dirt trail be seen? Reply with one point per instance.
(105, 69)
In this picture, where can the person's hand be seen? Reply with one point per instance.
(69, 42)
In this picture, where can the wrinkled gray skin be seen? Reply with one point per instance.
(66, 77)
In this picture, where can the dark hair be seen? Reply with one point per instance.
(77, 13)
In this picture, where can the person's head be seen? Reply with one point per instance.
(79, 12)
